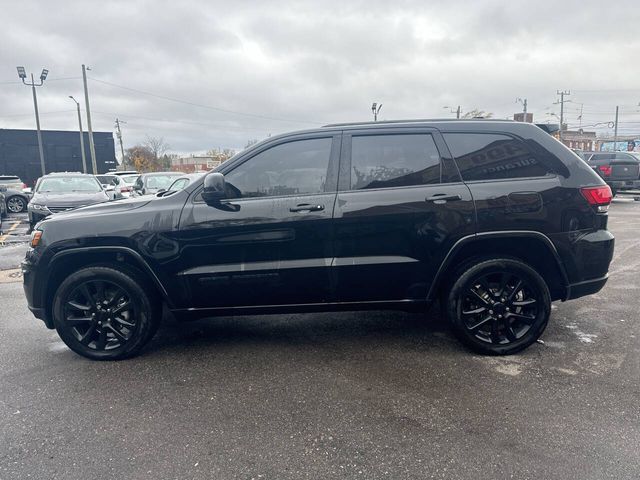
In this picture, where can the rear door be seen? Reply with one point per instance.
(400, 208)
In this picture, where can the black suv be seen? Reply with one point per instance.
(495, 219)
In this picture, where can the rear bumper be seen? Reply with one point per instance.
(585, 257)
(588, 287)
(624, 184)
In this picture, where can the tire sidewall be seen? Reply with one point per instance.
(535, 281)
(145, 321)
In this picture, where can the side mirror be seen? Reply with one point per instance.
(214, 188)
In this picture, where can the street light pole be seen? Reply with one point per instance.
(375, 109)
(23, 75)
(84, 158)
(92, 148)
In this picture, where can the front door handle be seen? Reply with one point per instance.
(307, 207)
(442, 198)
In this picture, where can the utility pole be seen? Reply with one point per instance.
(524, 108)
(119, 135)
(615, 131)
(375, 108)
(23, 75)
(84, 158)
(92, 147)
(562, 94)
(458, 111)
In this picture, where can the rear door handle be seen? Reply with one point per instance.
(307, 207)
(442, 197)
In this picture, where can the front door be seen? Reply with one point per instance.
(400, 208)
(270, 241)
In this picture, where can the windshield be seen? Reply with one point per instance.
(129, 179)
(160, 181)
(106, 179)
(69, 184)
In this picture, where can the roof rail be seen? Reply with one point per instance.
(416, 120)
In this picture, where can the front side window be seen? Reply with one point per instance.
(488, 156)
(295, 168)
(379, 161)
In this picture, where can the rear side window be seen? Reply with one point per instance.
(379, 161)
(487, 156)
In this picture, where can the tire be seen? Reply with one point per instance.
(106, 312)
(16, 204)
(498, 306)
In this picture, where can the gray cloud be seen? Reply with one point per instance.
(291, 65)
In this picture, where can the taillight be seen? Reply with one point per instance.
(24, 185)
(605, 170)
(125, 189)
(599, 197)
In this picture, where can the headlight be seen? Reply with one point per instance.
(35, 206)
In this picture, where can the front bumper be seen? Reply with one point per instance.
(36, 216)
(34, 300)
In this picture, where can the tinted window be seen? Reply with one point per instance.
(483, 156)
(293, 168)
(379, 161)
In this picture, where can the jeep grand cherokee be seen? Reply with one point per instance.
(495, 219)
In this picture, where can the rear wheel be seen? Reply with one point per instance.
(105, 313)
(16, 204)
(499, 306)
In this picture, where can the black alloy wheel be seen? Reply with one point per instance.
(104, 313)
(499, 306)
(16, 204)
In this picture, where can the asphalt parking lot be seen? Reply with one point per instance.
(350, 395)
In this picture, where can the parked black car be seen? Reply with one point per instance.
(495, 218)
(58, 192)
(621, 170)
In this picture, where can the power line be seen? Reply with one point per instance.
(182, 122)
(41, 113)
(48, 79)
(193, 104)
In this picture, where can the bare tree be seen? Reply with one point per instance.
(475, 113)
(157, 146)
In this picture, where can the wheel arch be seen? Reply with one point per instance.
(67, 261)
(531, 247)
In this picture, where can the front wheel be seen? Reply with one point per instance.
(498, 306)
(105, 313)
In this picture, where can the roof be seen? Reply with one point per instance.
(66, 174)
(412, 121)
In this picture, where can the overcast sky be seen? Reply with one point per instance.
(234, 71)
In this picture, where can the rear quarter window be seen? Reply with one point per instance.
(490, 156)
